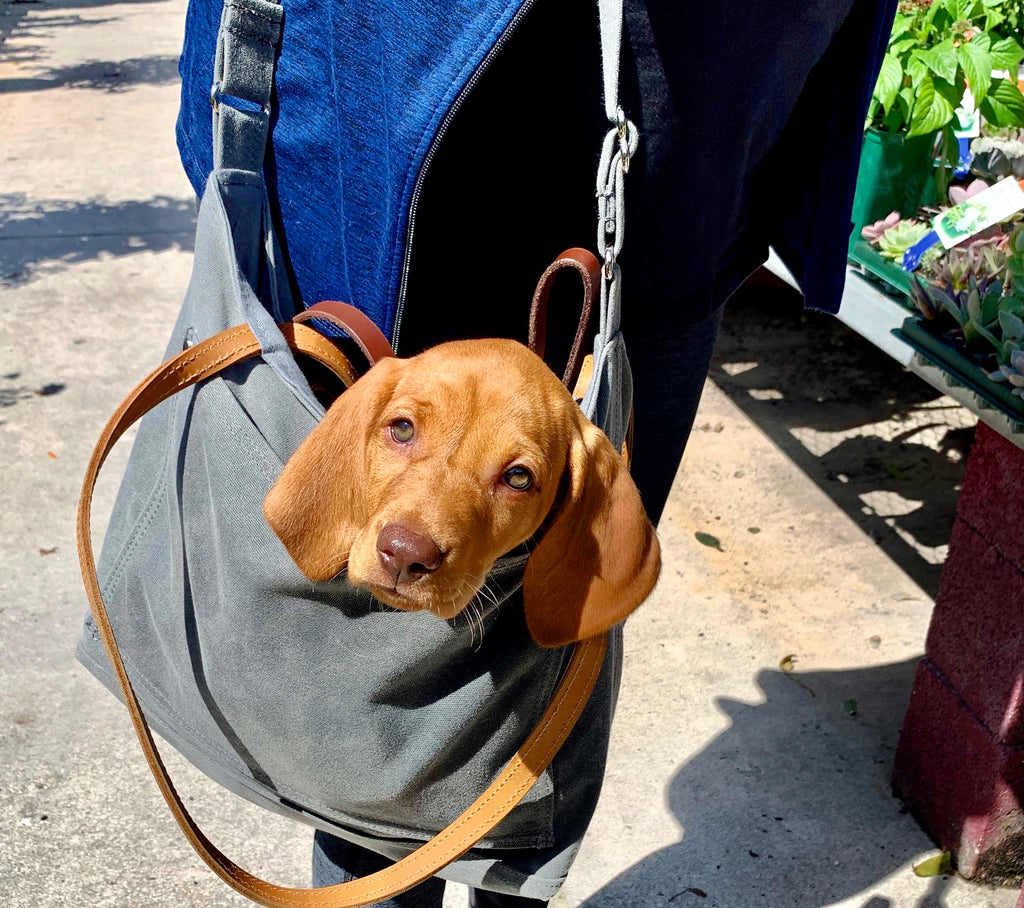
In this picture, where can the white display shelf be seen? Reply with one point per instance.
(875, 315)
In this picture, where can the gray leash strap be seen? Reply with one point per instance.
(609, 399)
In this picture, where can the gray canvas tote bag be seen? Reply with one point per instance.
(374, 725)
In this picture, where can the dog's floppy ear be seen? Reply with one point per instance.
(599, 558)
(317, 505)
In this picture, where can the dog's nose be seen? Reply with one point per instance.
(405, 554)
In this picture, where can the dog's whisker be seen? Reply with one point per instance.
(475, 619)
(485, 592)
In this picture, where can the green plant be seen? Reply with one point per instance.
(979, 258)
(1012, 371)
(1006, 19)
(974, 309)
(1015, 259)
(896, 240)
(936, 49)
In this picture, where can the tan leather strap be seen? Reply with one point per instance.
(191, 366)
(585, 264)
(355, 324)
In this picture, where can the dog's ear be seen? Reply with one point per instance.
(318, 503)
(599, 558)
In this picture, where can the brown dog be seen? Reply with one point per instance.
(428, 469)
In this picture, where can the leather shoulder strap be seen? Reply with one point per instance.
(189, 367)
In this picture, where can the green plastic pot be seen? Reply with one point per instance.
(896, 174)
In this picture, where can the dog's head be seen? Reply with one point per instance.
(428, 469)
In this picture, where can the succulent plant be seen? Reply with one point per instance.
(998, 156)
(984, 258)
(1015, 259)
(1012, 372)
(975, 308)
(958, 194)
(874, 231)
(899, 238)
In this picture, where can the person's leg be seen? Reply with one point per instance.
(481, 898)
(669, 360)
(338, 861)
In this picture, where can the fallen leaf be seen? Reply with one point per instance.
(850, 706)
(712, 542)
(788, 662)
(936, 865)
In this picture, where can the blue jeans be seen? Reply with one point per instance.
(338, 861)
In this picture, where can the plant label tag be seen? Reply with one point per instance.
(979, 212)
(912, 256)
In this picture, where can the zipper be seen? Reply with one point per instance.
(446, 122)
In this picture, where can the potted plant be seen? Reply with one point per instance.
(937, 49)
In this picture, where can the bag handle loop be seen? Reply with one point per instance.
(586, 265)
(193, 365)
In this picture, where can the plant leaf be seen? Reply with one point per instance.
(1004, 105)
(931, 110)
(1006, 54)
(1013, 327)
(712, 542)
(890, 78)
(935, 866)
(977, 66)
(941, 60)
(918, 71)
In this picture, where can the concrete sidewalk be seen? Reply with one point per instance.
(732, 783)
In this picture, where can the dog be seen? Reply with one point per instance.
(430, 468)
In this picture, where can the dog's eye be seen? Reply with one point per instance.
(518, 478)
(402, 431)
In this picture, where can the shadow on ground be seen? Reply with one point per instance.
(105, 75)
(14, 12)
(48, 234)
(885, 446)
(763, 824)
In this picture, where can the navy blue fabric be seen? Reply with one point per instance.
(362, 88)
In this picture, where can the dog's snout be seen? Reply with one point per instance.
(407, 555)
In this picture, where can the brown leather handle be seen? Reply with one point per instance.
(356, 324)
(189, 367)
(585, 263)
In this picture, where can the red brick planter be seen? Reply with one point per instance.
(960, 762)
